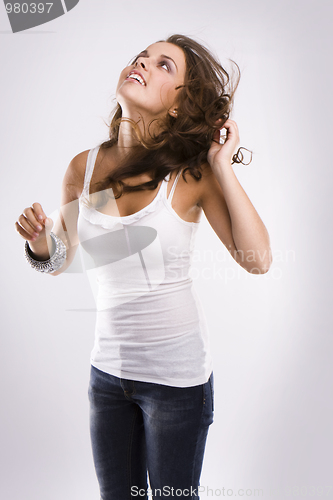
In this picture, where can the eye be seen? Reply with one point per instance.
(165, 65)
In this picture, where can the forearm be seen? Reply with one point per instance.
(249, 233)
(42, 249)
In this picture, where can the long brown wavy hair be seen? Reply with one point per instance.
(204, 104)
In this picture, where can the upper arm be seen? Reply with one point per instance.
(66, 224)
(216, 210)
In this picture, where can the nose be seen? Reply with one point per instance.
(141, 63)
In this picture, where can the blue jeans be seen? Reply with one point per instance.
(139, 426)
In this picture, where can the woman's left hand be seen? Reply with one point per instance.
(223, 153)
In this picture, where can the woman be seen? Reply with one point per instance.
(151, 387)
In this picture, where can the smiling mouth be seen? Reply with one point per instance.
(136, 77)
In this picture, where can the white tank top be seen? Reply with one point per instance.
(150, 324)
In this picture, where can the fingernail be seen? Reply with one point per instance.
(36, 234)
(39, 227)
(40, 217)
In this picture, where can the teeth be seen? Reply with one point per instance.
(136, 77)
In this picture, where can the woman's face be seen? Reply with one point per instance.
(148, 87)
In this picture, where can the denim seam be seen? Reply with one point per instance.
(129, 451)
(211, 392)
(198, 433)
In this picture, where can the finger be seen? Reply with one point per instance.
(30, 215)
(48, 225)
(230, 122)
(31, 227)
(26, 234)
(40, 214)
(230, 126)
(232, 130)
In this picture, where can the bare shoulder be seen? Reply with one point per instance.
(74, 177)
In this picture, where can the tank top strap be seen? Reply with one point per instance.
(91, 160)
(169, 198)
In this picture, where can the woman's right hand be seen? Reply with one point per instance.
(34, 226)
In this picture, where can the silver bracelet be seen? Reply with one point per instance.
(55, 261)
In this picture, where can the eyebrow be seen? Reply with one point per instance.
(144, 53)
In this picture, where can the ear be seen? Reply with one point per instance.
(173, 112)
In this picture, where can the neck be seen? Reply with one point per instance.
(127, 137)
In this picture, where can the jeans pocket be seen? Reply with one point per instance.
(208, 401)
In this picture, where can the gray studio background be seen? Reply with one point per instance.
(271, 335)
